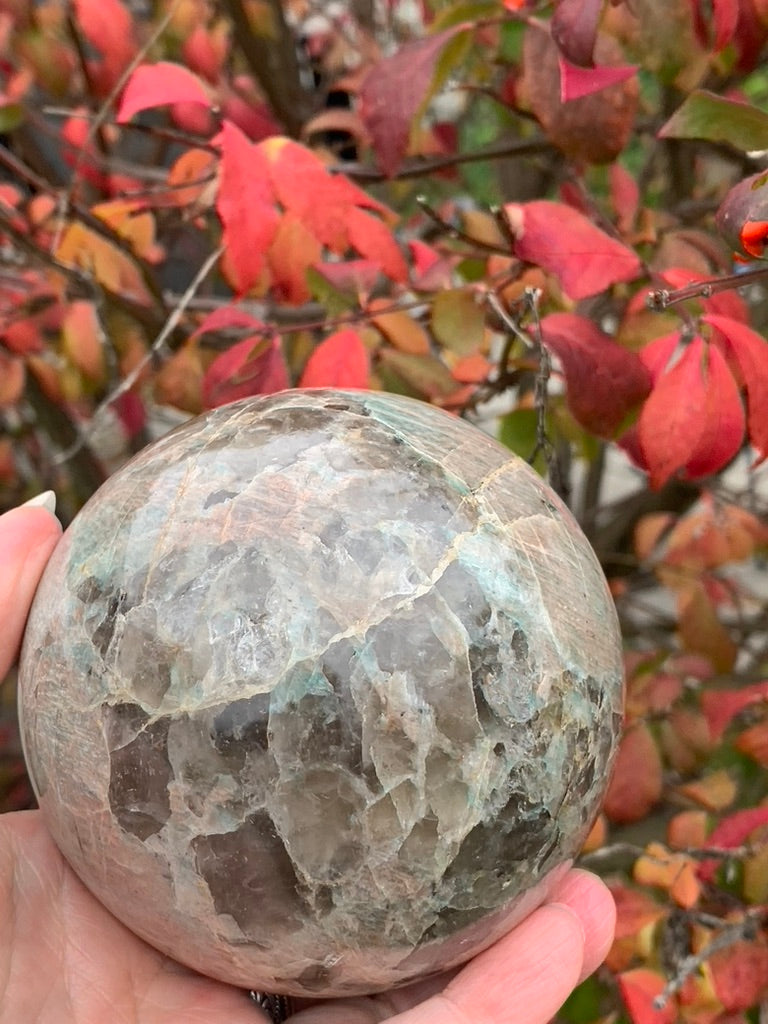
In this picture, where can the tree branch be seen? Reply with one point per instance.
(273, 60)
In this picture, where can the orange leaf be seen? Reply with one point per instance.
(293, 251)
(674, 872)
(81, 339)
(754, 743)
(341, 361)
(191, 177)
(597, 835)
(639, 988)
(11, 380)
(399, 328)
(700, 629)
(636, 784)
(649, 531)
(714, 792)
(112, 268)
(373, 239)
(688, 829)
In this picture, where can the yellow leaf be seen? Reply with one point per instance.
(714, 792)
(674, 872)
(84, 249)
(133, 223)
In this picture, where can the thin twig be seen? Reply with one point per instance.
(422, 167)
(662, 298)
(729, 936)
(456, 233)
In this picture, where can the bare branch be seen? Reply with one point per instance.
(273, 61)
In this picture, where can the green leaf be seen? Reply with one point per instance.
(518, 431)
(458, 322)
(334, 300)
(11, 116)
(704, 115)
(426, 374)
(469, 10)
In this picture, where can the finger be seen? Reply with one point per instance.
(591, 899)
(524, 978)
(27, 538)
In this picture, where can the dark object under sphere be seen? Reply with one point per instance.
(320, 693)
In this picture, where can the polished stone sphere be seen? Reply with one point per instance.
(320, 692)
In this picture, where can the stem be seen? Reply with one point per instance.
(273, 61)
(662, 299)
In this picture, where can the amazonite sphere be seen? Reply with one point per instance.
(320, 693)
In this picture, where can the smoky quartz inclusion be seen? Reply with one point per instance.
(320, 693)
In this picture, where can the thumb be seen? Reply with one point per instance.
(28, 535)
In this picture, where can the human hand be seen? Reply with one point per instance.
(65, 960)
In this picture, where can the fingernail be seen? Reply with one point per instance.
(46, 500)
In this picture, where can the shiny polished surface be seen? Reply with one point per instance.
(320, 693)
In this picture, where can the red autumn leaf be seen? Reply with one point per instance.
(750, 352)
(595, 123)
(395, 89)
(740, 975)
(576, 82)
(331, 207)
(303, 184)
(245, 204)
(657, 353)
(636, 784)
(227, 318)
(373, 240)
(131, 413)
(639, 988)
(355, 278)
(157, 85)
(720, 707)
(625, 195)
(205, 51)
(254, 366)
(724, 15)
(340, 361)
(574, 29)
(605, 381)
(108, 27)
(730, 833)
(693, 417)
(565, 243)
(723, 415)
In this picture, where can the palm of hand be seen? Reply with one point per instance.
(65, 960)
